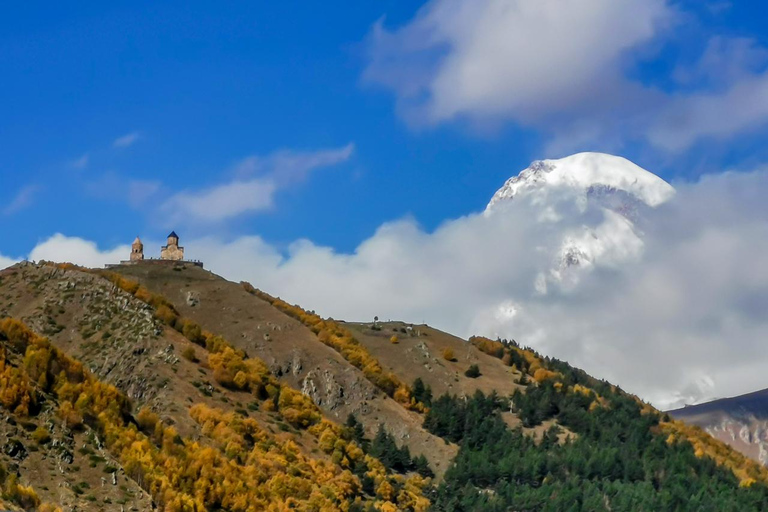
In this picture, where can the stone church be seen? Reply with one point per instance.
(172, 251)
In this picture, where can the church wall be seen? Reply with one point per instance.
(172, 252)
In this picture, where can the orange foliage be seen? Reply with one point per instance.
(533, 360)
(232, 370)
(288, 476)
(490, 347)
(165, 315)
(297, 409)
(182, 475)
(540, 375)
(247, 469)
(402, 394)
(16, 394)
(16, 333)
(147, 420)
(504, 352)
(22, 495)
(47, 507)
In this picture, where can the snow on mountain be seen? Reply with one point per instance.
(591, 174)
(567, 192)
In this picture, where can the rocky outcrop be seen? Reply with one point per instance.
(193, 298)
(747, 434)
(322, 388)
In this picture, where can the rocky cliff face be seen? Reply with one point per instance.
(748, 434)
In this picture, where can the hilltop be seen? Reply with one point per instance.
(164, 386)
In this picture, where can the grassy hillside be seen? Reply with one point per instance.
(206, 427)
(166, 387)
(294, 354)
(623, 456)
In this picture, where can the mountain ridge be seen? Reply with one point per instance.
(211, 385)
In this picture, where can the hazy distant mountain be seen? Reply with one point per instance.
(741, 422)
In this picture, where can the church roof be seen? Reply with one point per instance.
(173, 234)
(137, 241)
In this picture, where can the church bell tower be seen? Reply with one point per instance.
(137, 250)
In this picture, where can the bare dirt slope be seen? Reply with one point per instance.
(71, 468)
(291, 350)
(419, 352)
(119, 340)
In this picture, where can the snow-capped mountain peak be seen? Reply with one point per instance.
(565, 196)
(587, 174)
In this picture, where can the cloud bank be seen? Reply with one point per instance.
(671, 307)
(570, 69)
(257, 180)
(62, 248)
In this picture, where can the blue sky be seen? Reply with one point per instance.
(204, 88)
(338, 155)
(195, 88)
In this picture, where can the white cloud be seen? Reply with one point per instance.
(126, 140)
(220, 202)
(742, 107)
(735, 97)
(663, 320)
(21, 200)
(6, 261)
(61, 248)
(111, 186)
(672, 309)
(567, 68)
(512, 58)
(675, 319)
(80, 163)
(249, 194)
(724, 61)
(291, 166)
